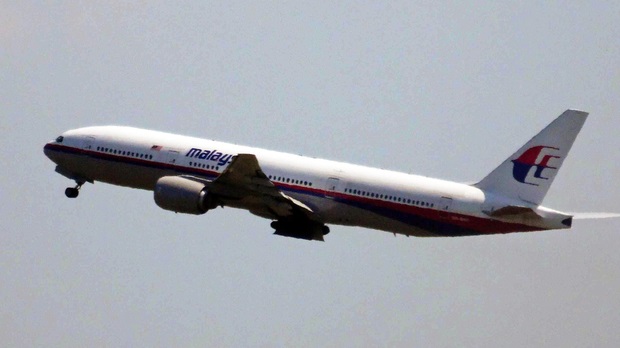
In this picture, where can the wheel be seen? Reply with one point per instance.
(72, 192)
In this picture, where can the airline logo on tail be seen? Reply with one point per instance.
(532, 158)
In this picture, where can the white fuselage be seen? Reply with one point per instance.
(340, 193)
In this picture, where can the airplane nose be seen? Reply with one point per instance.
(49, 152)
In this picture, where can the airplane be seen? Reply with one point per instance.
(303, 195)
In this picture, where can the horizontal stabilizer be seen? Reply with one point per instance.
(513, 211)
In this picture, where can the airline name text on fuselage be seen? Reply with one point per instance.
(210, 155)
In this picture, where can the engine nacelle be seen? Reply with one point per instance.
(181, 195)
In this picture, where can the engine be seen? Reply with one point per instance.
(182, 195)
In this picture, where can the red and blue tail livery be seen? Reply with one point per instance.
(532, 158)
(302, 196)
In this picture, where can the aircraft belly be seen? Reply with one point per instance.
(125, 174)
(112, 172)
(417, 222)
(340, 213)
(348, 215)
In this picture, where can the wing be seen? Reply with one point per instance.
(243, 184)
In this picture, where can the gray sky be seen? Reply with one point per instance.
(441, 89)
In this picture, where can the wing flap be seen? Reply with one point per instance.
(243, 184)
(244, 179)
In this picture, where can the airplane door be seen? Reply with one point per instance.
(445, 204)
(172, 157)
(88, 143)
(332, 187)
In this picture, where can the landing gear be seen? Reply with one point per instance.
(73, 192)
(302, 229)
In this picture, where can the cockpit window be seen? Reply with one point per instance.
(60, 139)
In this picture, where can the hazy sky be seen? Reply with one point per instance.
(444, 89)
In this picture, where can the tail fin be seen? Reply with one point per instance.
(529, 172)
